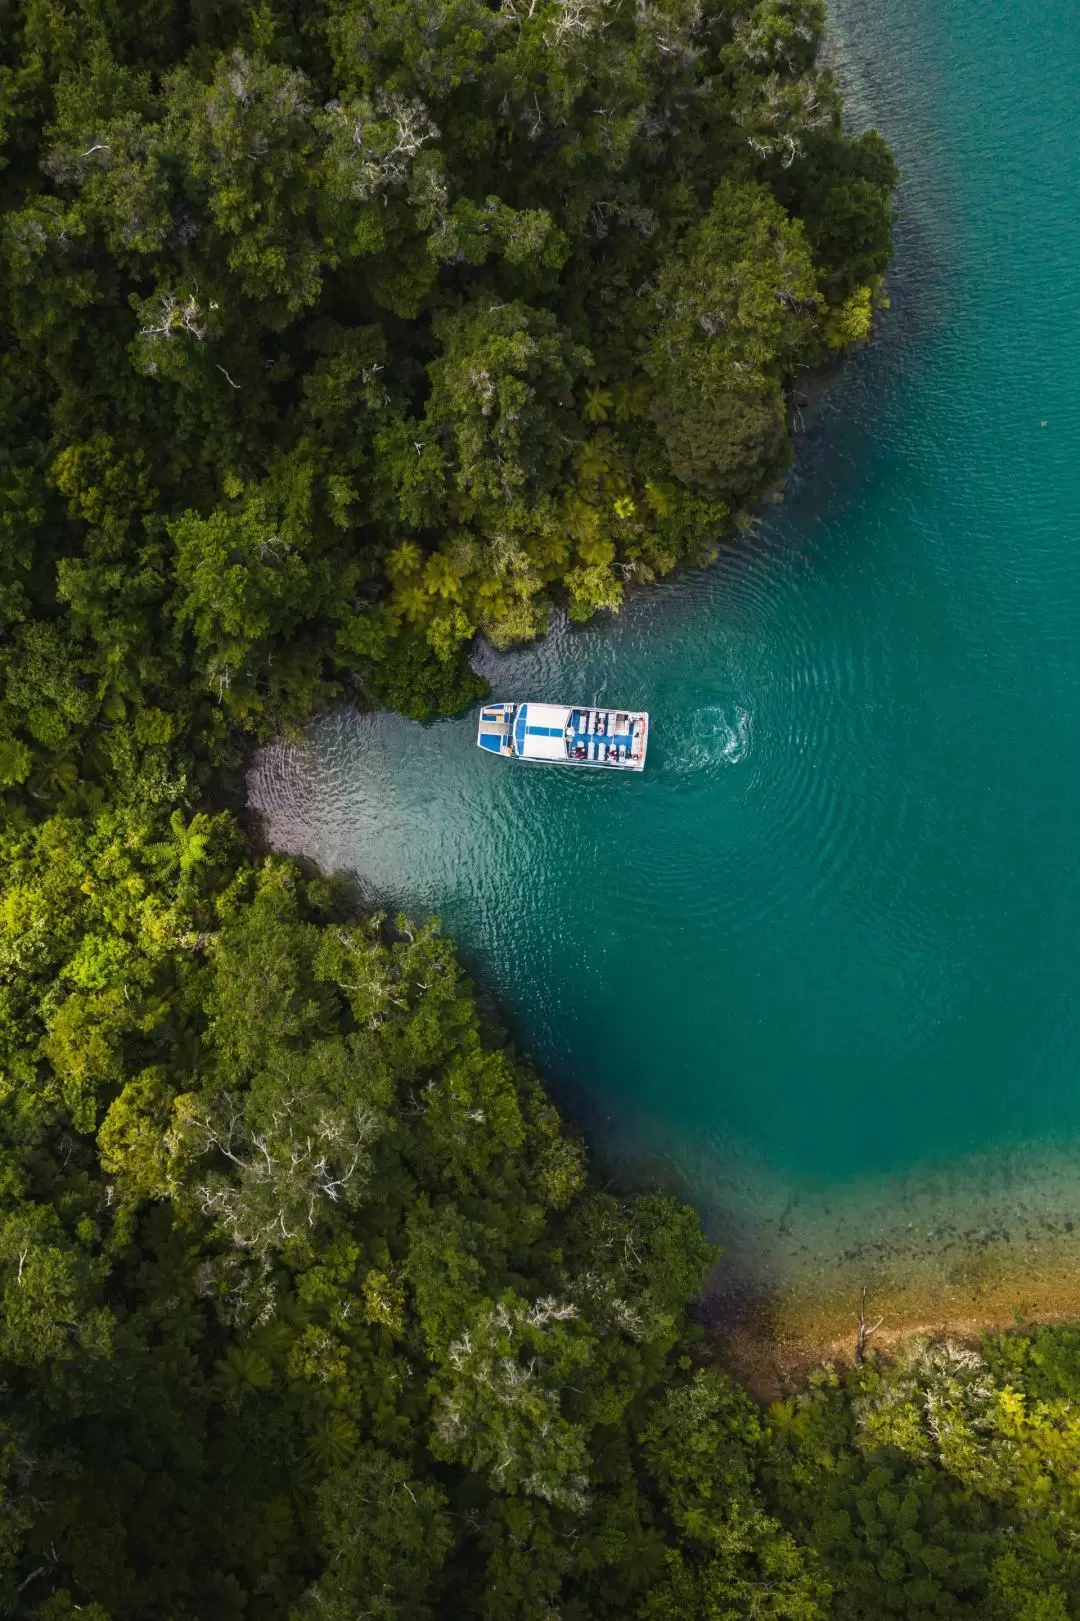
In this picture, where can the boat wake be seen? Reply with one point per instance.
(709, 740)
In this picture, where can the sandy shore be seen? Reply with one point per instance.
(771, 1344)
(991, 1243)
(962, 1246)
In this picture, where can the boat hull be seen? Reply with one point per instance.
(565, 734)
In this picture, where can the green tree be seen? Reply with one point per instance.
(737, 311)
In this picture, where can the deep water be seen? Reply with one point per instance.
(830, 936)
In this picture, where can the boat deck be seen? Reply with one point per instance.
(603, 746)
(581, 735)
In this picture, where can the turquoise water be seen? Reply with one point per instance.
(830, 936)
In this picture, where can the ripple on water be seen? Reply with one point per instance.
(700, 746)
(830, 930)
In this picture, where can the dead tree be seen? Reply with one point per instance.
(866, 1329)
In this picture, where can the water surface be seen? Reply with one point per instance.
(827, 943)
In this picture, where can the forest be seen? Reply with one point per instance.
(334, 336)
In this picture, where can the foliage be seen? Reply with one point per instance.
(332, 336)
(309, 1306)
(335, 335)
(940, 1483)
(281, 1227)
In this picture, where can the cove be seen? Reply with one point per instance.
(820, 961)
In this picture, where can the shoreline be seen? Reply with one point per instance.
(772, 1344)
(961, 1247)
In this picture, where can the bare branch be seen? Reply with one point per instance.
(866, 1330)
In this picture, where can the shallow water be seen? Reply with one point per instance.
(822, 955)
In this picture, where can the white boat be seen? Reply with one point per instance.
(560, 734)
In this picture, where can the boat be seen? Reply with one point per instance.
(566, 734)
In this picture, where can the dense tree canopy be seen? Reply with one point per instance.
(309, 1308)
(332, 335)
(337, 333)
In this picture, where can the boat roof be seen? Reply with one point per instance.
(546, 714)
(540, 731)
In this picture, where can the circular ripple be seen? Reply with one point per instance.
(831, 928)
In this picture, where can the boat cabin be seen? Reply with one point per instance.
(565, 735)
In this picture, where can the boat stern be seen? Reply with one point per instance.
(495, 732)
